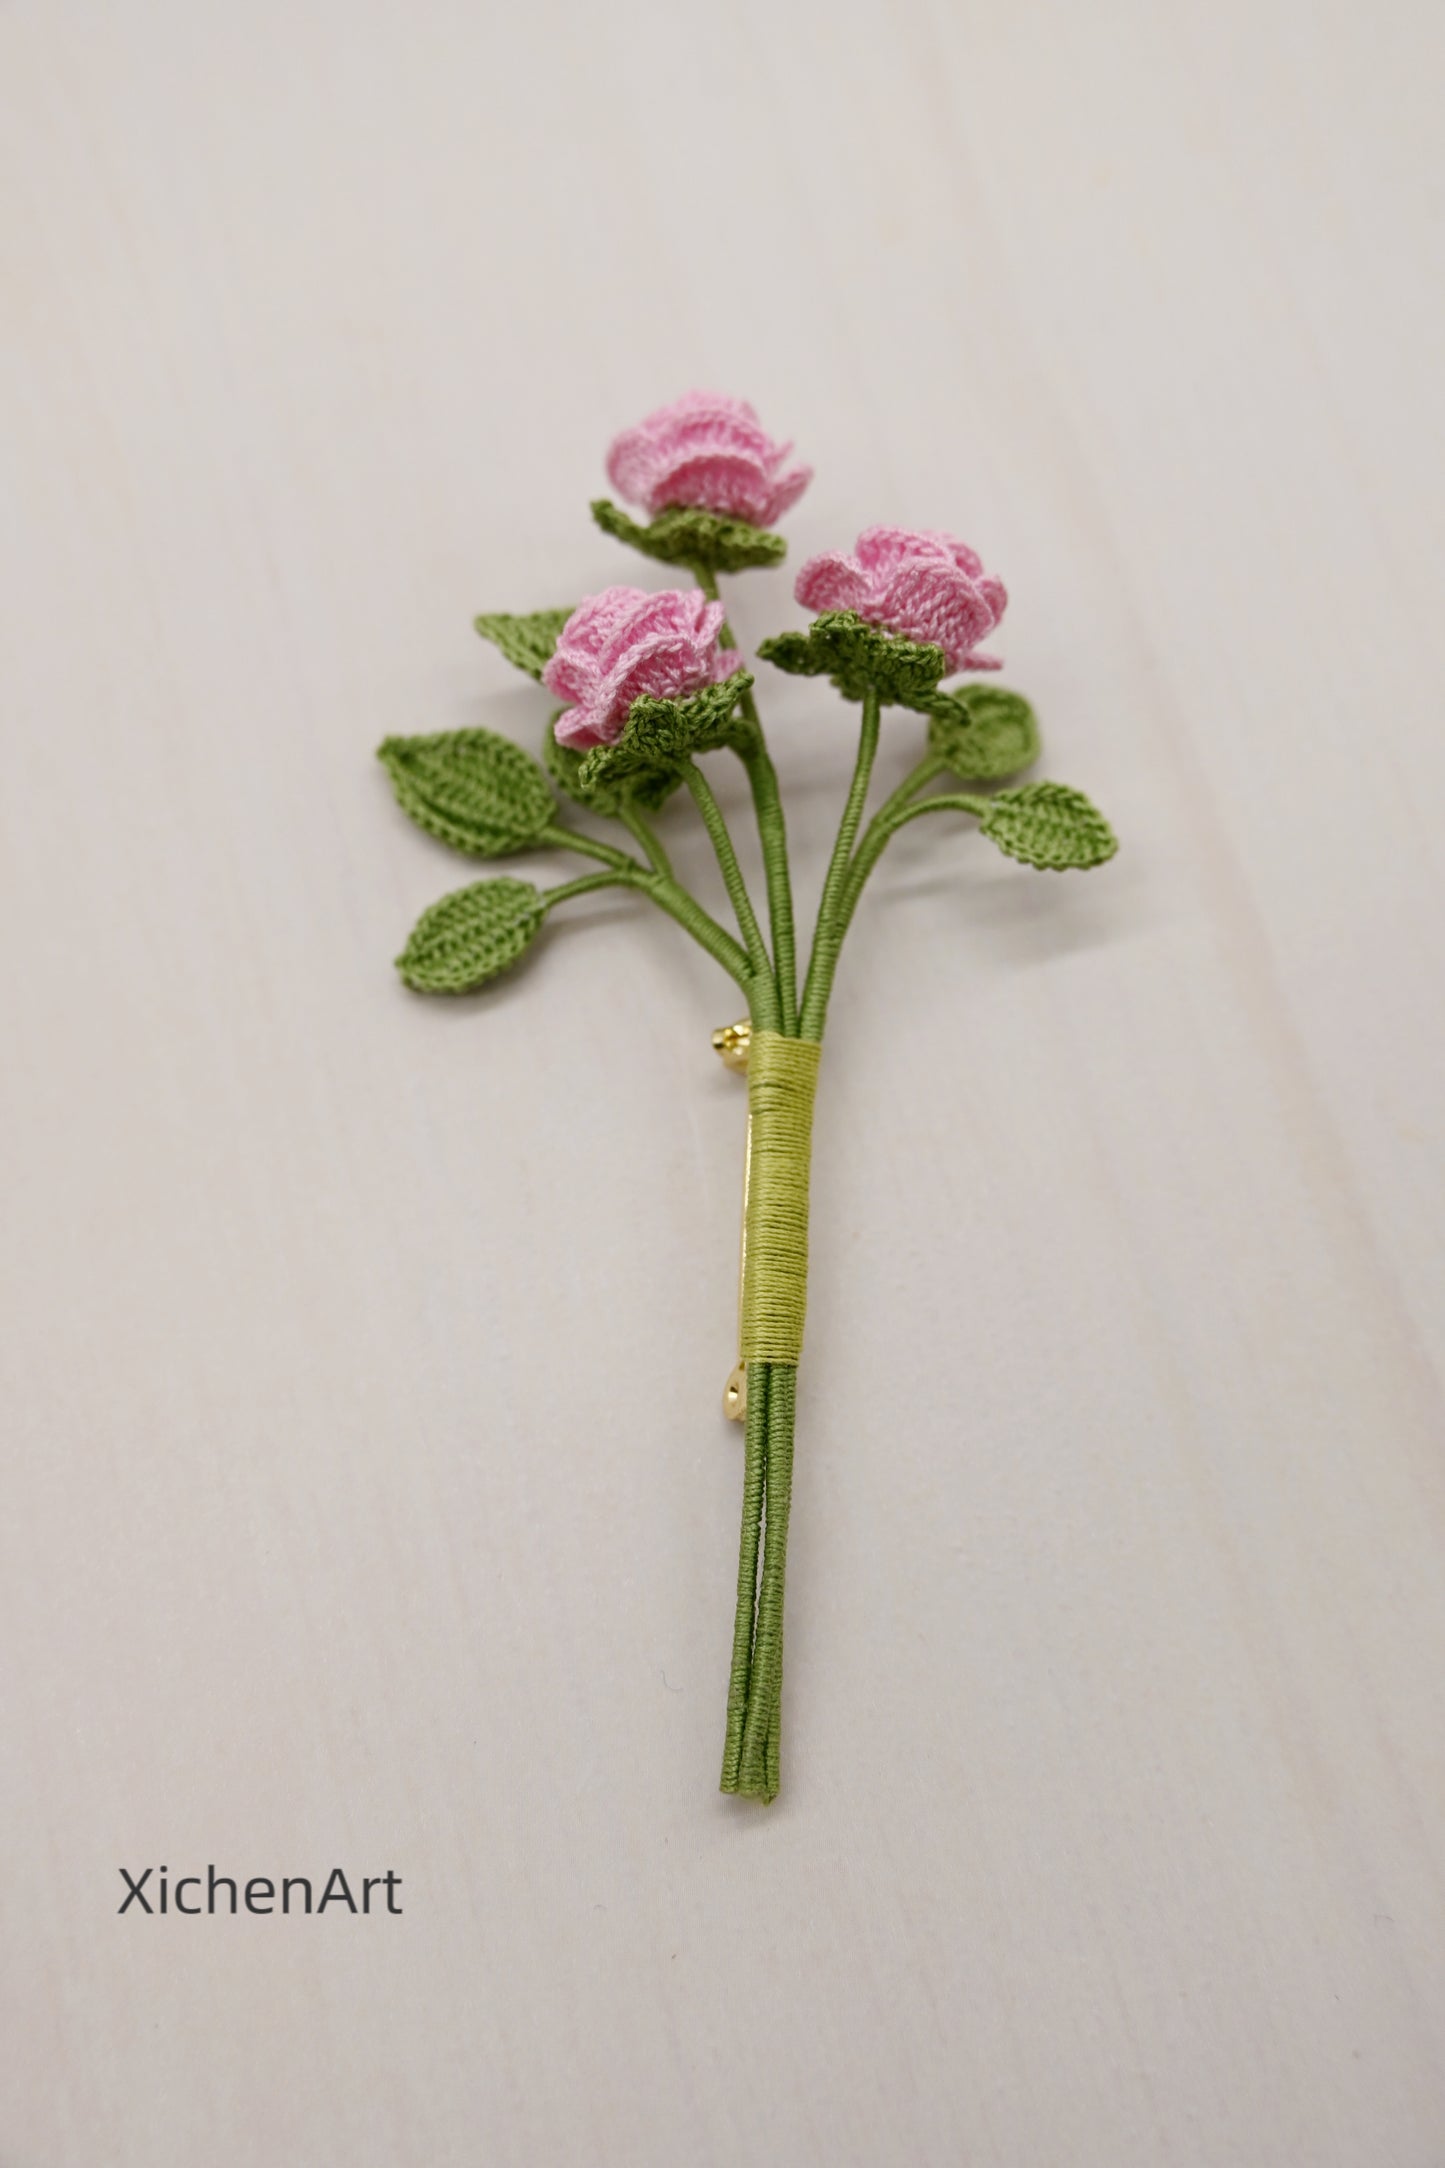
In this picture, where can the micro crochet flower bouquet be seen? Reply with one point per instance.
(650, 682)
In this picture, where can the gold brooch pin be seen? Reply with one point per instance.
(731, 1043)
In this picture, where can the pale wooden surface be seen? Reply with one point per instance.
(365, 1498)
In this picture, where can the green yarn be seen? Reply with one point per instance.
(755, 1476)
(657, 883)
(759, 1765)
(773, 837)
(528, 641)
(859, 658)
(564, 764)
(751, 1766)
(469, 788)
(752, 750)
(782, 1078)
(1046, 825)
(891, 815)
(660, 736)
(982, 732)
(685, 535)
(471, 936)
(712, 819)
(833, 911)
(1049, 826)
(751, 1746)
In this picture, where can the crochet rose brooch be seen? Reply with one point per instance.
(649, 683)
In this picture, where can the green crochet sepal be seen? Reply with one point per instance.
(859, 658)
(564, 764)
(471, 936)
(684, 536)
(1047, 825)
(661, 736)
(982, 732)
(469, 788)
(528, 641)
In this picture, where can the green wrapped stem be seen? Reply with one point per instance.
(782, 1077)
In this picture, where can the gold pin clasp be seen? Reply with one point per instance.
(731, 1043)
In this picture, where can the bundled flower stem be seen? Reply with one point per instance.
(651, 681)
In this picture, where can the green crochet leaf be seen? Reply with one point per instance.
(660, 736)
(684, 535)
(564, 764)
(471, 936)
(527, 642)
(982, 732)
(472, 789)
(856, 656)
(1047, 825)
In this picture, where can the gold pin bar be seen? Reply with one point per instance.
(731, 1043)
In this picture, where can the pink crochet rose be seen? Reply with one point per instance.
(625, 642)
(709, 451)
(926, 586)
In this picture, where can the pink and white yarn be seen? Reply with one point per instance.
(708, 452)
(928, 587)
(625, 642)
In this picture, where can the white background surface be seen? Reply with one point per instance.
(366, 1498)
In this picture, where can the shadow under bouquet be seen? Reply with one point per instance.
(650, 683)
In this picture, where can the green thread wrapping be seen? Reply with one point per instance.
(772, 829)
(751, 1749)
(732, 873)
(759, 1763)
(832, 918)
(755, 1462)
(782, 1078)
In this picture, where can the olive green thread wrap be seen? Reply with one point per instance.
(782, 1078)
